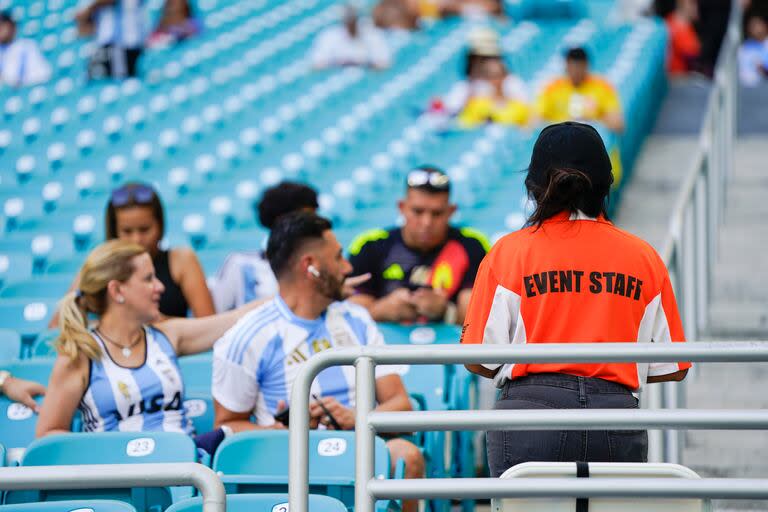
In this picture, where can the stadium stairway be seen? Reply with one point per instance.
(739, 308)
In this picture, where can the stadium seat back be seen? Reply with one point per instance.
(110, 448)
(17, 421)
(41, 287)
(262, 502)
(256, 462)
(199, 407)
(28, 317)
(197, 371)
(10, 347)
(71, 506)
(599, 470)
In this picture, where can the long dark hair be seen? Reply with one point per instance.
(568, 190)
(131, 189)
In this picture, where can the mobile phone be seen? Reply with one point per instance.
(334, 423)
(283, 416)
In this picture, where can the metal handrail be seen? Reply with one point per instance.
(105, 476)
(367, 423)
(479, 488)
(690, 246)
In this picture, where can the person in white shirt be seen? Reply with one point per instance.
(258, 359)
(246, 275)
(21, 61)
(353, 43)
(120, 30)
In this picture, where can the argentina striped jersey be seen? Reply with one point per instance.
(256, 362)
(147, 398)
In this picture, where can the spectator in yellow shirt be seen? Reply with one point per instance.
(495, 102)
(580, 96)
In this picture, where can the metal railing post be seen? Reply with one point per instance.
(688, 268)
(365, 437)
(702, 262)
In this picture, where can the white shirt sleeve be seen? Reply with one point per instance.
(322, 53)
(228, 279)
(515, 89)
(234, 386)
(377, 47)
(24, 64)
(457, 97)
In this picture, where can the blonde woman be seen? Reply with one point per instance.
(122, 371)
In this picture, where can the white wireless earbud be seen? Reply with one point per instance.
(312, 270)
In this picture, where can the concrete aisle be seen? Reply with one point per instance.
(739, 308)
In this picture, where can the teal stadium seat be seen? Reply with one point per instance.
(71, 506)
(28, 317)
(261, 503)
(10, 347)
(43, 346)
(256, 462)
(199, 407)
(110, 448)
(14, 266)
(17, 422)
(197, 372)
(50, 288)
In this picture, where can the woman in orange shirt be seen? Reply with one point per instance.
(571, 276)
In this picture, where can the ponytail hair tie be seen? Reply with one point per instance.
(78, 293)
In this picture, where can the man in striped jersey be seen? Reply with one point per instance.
(257, 361)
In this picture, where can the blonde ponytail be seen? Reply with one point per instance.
(111, 261)
(75, 338)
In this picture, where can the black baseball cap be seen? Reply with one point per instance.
(571, 145)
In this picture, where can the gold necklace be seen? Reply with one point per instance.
(125, 349)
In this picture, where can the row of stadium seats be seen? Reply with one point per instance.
(235, 503)
(251, 462)
(50, 216)
(431, 388)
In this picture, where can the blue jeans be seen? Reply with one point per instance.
(561, 391)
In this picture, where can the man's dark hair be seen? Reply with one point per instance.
(6, 17)
(289, 233)
(577, 54)
(284, 198)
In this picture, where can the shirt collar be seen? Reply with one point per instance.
(284, 310)
(578, 215)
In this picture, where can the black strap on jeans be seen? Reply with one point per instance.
(582, 471)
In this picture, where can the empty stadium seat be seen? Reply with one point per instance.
(10, 347)
(256, 462)
(599, 470)
(199, 408)
(71, 506)
(28, 317)
(262, 502)
(196, 370)
(109, 448)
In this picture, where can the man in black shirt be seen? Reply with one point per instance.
(423, 271)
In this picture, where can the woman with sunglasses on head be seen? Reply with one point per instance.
(570, 276)
(135, 213)
(121, 371)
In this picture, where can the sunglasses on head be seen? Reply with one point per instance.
(428, 178)
(132, 194)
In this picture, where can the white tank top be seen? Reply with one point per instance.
(147, 398)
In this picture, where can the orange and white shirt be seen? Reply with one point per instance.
(574, 279)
